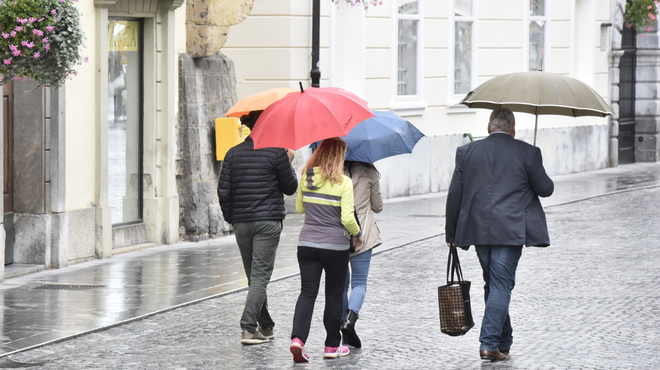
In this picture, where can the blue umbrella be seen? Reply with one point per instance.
(379, 137)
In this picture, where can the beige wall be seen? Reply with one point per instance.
(81, 121)
(81, 110)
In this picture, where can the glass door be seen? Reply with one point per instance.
(125, 107)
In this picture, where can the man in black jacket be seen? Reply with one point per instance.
(493, 204)
(250, 190)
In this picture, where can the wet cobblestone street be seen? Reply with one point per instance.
(589, 301)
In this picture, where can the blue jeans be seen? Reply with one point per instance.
(499, 265)
(356, 277)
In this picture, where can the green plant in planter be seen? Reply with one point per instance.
(641, 14)
(41, 40)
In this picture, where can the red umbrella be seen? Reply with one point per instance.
(304, 117)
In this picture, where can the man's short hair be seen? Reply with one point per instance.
(501, 119)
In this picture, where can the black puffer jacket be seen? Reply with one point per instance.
(252, 182)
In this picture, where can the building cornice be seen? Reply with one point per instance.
(171, 4)
(104, 3)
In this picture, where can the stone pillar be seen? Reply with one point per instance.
(207, 89)
(40, 224)
(3, 234)
(647, 104)
(615, 58)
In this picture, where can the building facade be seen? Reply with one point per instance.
(419, 58)
(123, 155)
(90, 167)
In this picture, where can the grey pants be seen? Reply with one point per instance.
(257, 241)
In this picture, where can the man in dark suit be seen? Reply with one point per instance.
(493, 204)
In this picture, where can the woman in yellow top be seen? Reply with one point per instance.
(325, 195)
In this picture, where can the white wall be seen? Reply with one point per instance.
(272, 48)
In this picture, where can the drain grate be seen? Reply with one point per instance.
(66, 287)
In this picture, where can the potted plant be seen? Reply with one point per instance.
(41, 40)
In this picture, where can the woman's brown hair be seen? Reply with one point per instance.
(329, 158)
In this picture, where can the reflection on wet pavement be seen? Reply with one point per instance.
(139, 283)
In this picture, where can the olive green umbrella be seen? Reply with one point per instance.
(539, 92)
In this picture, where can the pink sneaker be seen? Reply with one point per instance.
(298, 350)
(334, 352)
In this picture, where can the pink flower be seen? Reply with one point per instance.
(13, 47)
(16, 53)
(36, 55)
(19, 28)
(12, 33)
(649, 29)
(86, 59)
(38, 32)
(41, 19)
(648, 7)
(53, 11)
(75, 73)
(50, 28)
(47, 47)
(641, 36)
(32, 20)
(45, 40)
(8, 61)
(652, 16)
(5, 35)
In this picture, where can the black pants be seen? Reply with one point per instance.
(312, 262)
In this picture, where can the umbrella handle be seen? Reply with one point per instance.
(301, 88)
(536, 124)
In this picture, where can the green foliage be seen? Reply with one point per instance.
(641, 14)
(40, 39)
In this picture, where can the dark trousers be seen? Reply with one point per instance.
(257, 241)
(499, 264)
(312, 262)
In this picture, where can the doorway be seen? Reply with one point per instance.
(627, 96)
(8, 168)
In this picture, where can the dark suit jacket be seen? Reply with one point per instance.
(493, 196)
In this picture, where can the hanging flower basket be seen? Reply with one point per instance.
(641, 14)
(41, 40)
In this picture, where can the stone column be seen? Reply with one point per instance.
(3, 234)
(647, 101)
(615, 58)
(207, 89)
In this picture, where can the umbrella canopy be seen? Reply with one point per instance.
(539, 92)
(382, 136)
(258, 101)
(304, 117)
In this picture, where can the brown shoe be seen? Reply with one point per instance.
(492, 356)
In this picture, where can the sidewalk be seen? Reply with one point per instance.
(51, 305)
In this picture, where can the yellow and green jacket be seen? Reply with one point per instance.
(329, 217)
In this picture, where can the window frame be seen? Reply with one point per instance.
(406, 105)
(454, 98)
(546, 34)
(141, 115)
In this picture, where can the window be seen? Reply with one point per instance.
(408, 18)
(463, 44)
(125, 120)
(537, 25)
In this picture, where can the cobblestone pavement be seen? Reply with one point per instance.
(590, 301)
